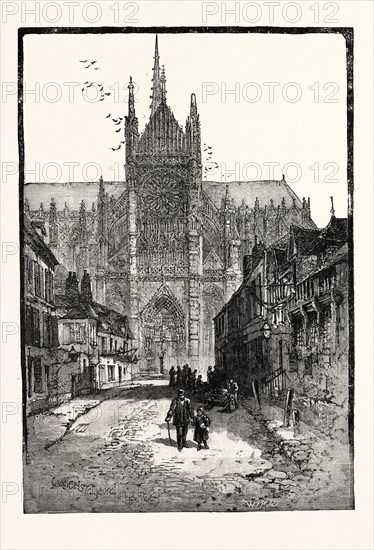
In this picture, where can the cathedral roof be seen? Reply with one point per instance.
(248, 191)
(70, 194)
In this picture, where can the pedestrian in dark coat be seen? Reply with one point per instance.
(209, 376)
(184, 375)
(181, 411)
(214, 382)
(201, 433)
(193, 380)
(199, 384)
(179, 376)
(172, 375)
(190, 380)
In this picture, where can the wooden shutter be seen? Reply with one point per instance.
(38, 375)
(54, 331)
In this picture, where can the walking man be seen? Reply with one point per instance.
(182, 413)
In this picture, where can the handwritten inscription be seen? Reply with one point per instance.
(92, 491)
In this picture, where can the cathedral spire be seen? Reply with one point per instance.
(156, 81)
(193, 130)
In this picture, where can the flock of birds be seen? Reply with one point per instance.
(102, 97)
(88, 84)
(212, 165)
(117, 122)
(208, 149)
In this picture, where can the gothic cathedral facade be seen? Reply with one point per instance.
(164, 246)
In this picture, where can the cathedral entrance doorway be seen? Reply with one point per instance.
(163, 329)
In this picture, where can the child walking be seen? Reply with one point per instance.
(201, 434)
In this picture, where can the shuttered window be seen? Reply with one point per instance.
(38, 375)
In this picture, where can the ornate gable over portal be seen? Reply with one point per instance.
(212, 262)
(163, 325)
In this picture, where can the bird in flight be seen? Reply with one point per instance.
(119, 129)
(90, 64)
(108, 116)
(83, 61)
(116, 148)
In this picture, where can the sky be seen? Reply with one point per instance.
(286, 112)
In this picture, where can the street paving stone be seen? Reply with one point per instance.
(117, 458)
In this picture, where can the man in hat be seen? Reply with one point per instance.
(201, 434)
(182, 412)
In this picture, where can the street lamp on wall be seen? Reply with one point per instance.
(266, 330)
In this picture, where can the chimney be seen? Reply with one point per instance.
(86, 292)
(71, 289)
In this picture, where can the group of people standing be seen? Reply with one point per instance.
(186, 378)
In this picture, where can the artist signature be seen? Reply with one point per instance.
(92, 492)
(260, 503)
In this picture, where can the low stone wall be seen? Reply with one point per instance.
(328, 418)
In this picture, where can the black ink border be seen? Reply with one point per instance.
(346, 32)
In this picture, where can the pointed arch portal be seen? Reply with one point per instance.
(163, 330)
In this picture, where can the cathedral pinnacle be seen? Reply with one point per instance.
(157, 83)
(131, 99)
(163, 85)
(332, 207)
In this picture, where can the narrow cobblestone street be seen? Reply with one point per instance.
(117, 458)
